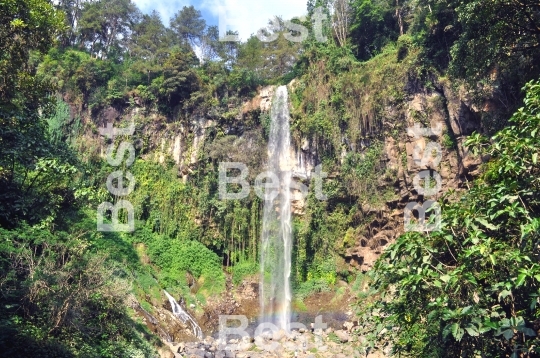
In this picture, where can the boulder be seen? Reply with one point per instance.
(343, 336)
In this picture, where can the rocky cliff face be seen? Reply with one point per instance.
(188, 143)
(452, 117)
(451, 114)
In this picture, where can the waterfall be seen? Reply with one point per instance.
(181, 314)
(276, 237)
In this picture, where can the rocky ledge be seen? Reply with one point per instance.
(303, 343)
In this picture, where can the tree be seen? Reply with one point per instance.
(313, 4)
(474, 39)
(372, 26)
(25, 25)
(210, 45)
(189, 25)
(250, 55)
(28, 25)
(212, 48)
(493, 33)
(341, 20)
(72, 10)
(269, 59)
(150, 45)
(149, 37)
(179, 78)
(105, 22)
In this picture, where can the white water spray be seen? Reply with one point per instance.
(181, 314)
(276, 238)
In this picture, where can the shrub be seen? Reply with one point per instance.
(472, 287)
(244, 269)
(176, 257)
(310, 287)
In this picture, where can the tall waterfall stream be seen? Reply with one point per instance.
(276, 238)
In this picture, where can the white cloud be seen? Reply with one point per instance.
(248, 16)
(244, 16)
(166, 8)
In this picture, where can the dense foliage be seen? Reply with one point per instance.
(68, 67)
(472, 288)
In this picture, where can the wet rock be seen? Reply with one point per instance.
(181, 348)
(277, 336)
(343, 336)
(245, 346)
(348, 326)
(260, 341)
(196, 353)
(322, 343)
(290, 346)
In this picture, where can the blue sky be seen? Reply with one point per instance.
(244, 16)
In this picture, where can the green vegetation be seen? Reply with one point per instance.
(69, 68)
(471, 288)
(244, 269)
(364, 174)
(175, 258)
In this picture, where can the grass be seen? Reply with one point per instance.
(242, 270)
(300, 305)
(310, 287)
(333, 337)
(147, 306)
